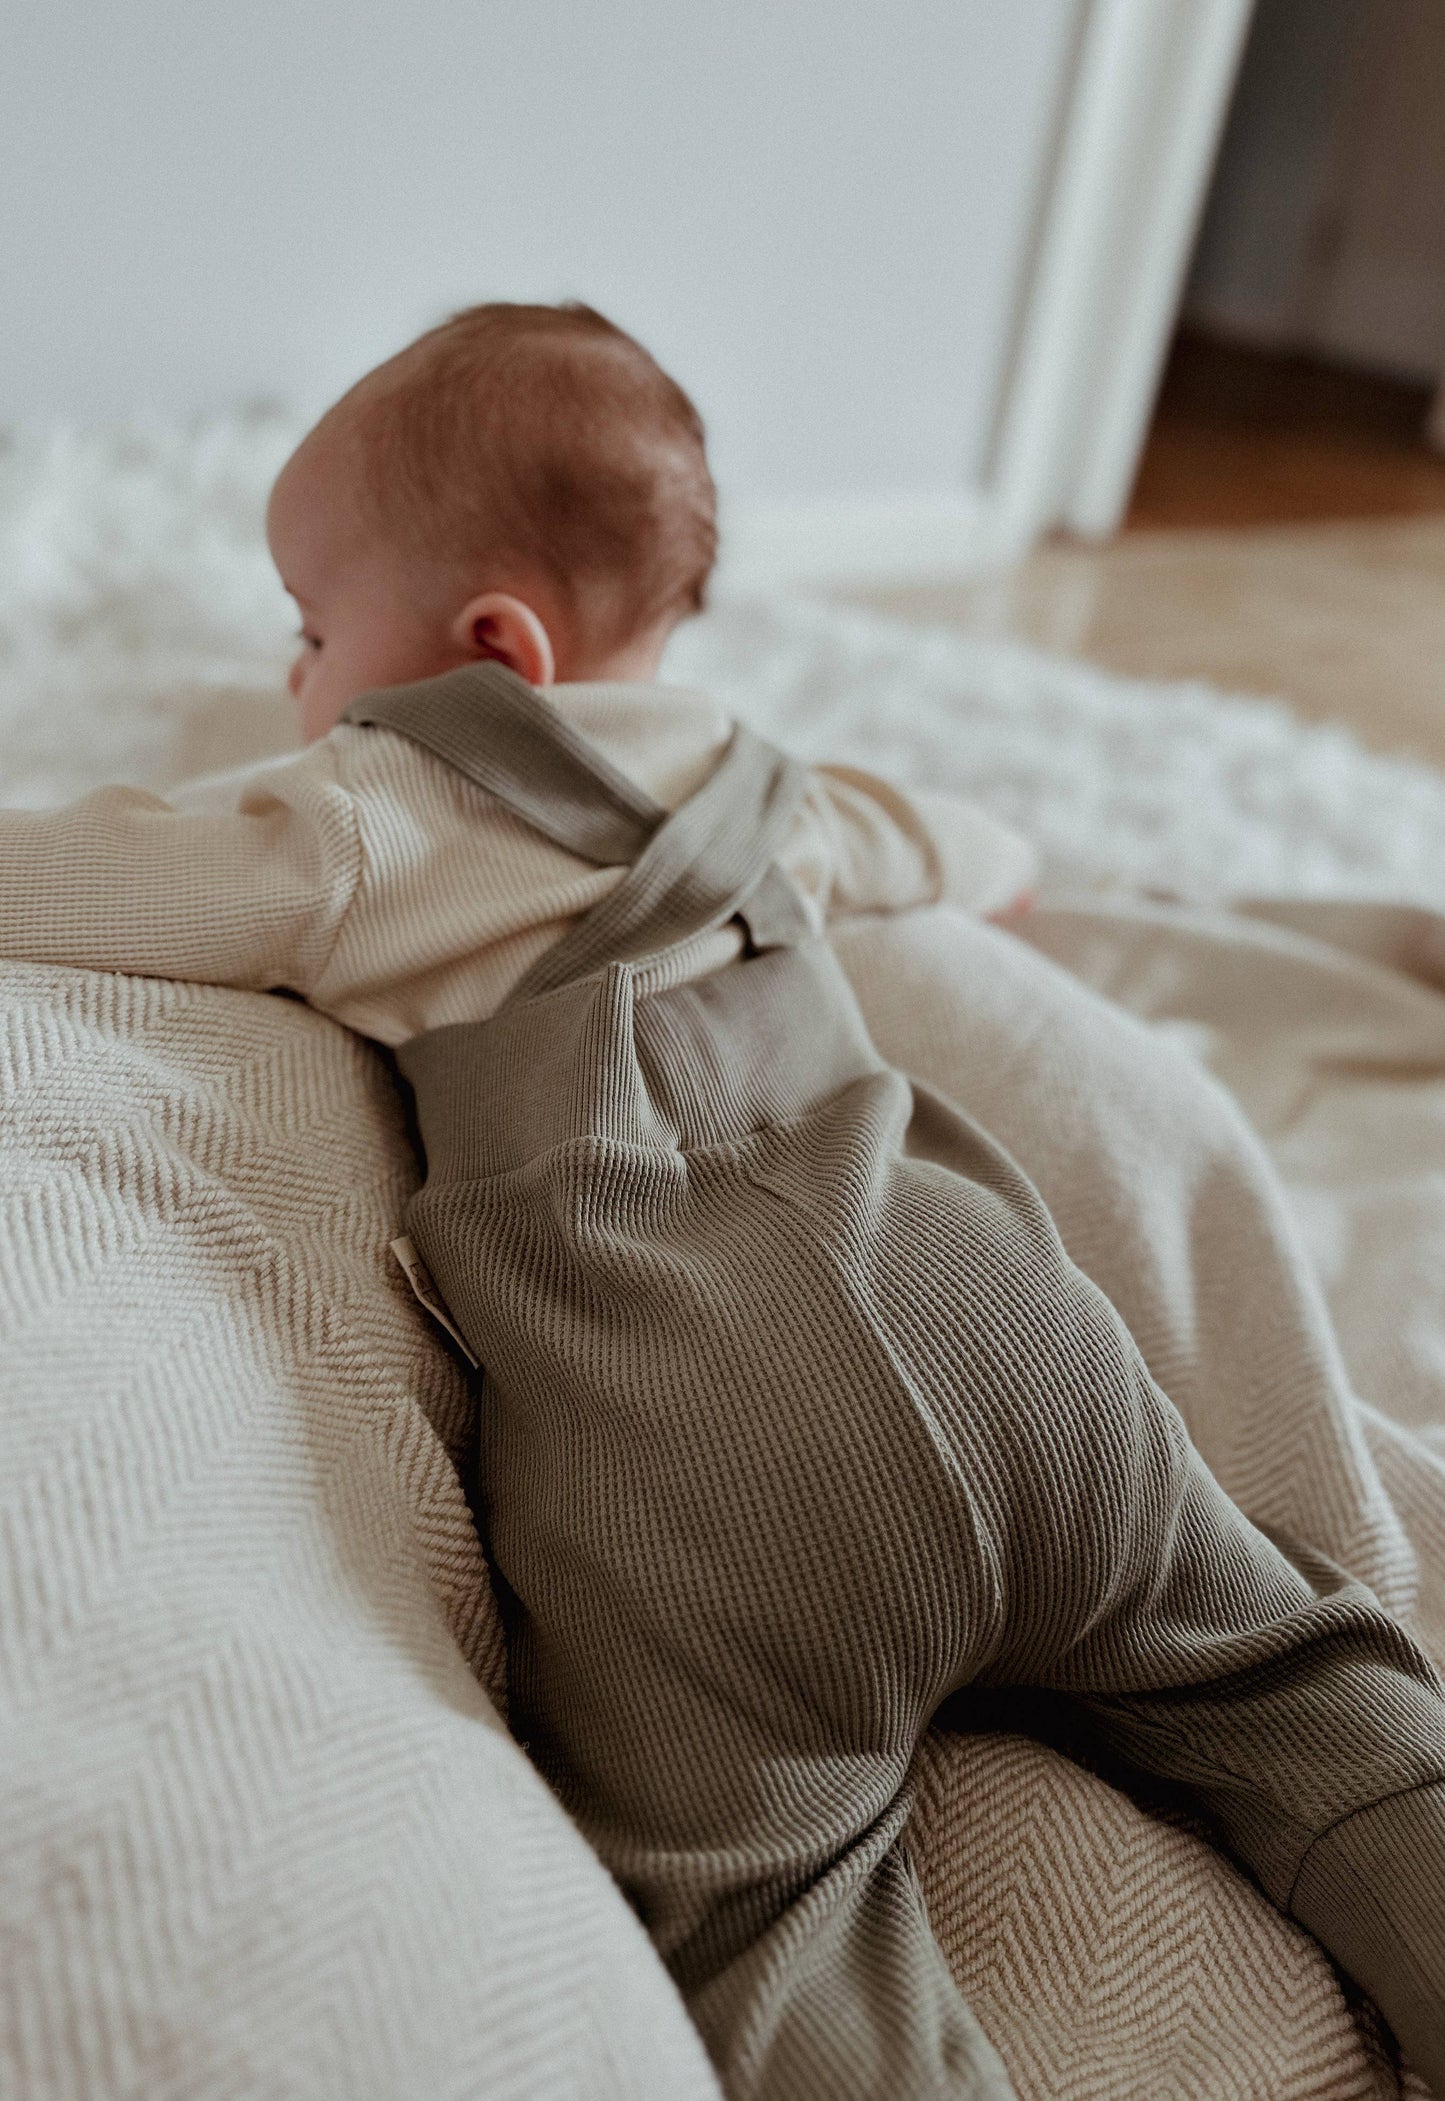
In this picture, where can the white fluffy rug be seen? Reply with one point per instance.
(143, 636)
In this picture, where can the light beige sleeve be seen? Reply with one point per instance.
(887, 849)
(252, 895)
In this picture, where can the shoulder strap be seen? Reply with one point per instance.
(498, 731)
(710, 860)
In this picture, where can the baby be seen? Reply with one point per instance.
(798, 1423)
(525, 486)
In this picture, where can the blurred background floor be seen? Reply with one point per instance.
(1286, 536)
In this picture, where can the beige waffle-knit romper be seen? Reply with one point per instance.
(797, 1420)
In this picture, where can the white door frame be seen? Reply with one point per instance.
(1137, 140)
(1140, 110)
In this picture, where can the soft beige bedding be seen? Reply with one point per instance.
(260, 1833)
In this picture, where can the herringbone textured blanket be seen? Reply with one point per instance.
(262, 1834)
(259, 1835)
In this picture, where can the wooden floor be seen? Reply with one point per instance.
(1242, 438)
(1287, 536)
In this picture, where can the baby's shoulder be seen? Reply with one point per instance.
(282, 776)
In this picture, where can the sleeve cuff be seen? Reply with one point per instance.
(1371, 1889)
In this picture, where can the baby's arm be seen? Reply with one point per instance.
(250, 892)
(888, 849)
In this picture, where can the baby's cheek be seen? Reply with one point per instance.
(321, 700)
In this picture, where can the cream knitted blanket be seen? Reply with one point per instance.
(261, 1833)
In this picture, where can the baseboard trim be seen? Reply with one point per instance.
(902, 537)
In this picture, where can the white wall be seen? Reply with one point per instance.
(816, 211)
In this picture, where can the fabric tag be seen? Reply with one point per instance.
(420, 1279)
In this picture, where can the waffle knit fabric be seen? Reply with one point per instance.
(241, 1605)
(396, 895)
(799, 1422)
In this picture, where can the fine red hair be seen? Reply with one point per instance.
(543, 439)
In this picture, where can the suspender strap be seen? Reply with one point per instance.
(710, 860)
(499, 732)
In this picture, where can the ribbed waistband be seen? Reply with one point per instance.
(699, 1063)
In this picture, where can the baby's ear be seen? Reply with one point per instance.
(505, 629)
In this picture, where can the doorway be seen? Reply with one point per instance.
(1304, 379)
(1285, 534)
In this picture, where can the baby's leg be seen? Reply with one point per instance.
(1166, 1200)
(849, 1998)
(1303, 1720)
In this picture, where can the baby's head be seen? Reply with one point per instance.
(523, 483)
